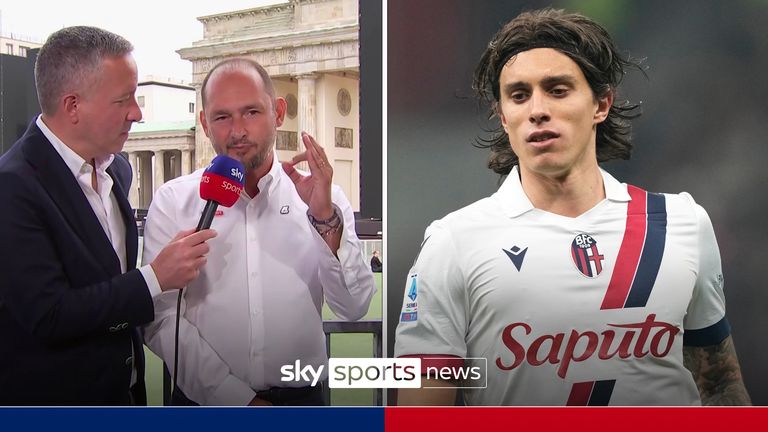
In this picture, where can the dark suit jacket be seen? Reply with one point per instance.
(68, 315)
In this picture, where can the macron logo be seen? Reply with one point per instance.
(516, 255)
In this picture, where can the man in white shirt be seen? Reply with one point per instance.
(70, 294)
(576, 289)
(286, 244)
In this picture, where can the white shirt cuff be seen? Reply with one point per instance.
(151, 279)
(231, 392)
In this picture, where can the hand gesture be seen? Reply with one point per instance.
(314, 189)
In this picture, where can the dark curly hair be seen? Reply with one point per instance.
(586, 43)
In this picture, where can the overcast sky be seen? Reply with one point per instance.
(156, 28)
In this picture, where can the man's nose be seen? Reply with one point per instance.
(134, 113)
(238, 128)
(539, 108)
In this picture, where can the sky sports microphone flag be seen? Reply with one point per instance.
(221, 184)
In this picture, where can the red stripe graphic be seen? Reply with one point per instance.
(629, 253)
(580, 393)
(595, 419)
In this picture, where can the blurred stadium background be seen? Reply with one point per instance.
(703, 130)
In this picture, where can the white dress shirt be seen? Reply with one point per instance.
(102, 201)
(257, 303)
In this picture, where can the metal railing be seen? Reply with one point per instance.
(346, 327)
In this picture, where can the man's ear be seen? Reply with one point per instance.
(204, 123)
(502, 118)
(604, 104)
(70, 104)
(281, 106)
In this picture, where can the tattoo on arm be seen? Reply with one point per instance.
(717, 373)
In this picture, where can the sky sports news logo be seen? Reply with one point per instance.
(390, 372)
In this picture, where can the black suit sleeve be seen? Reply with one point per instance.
(49, 280)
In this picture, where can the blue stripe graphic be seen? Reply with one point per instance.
(653, 250)
(601, 393)
(707, 336)
(205, 419)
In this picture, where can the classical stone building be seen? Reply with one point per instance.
(158, 152)
(162, 146)
(310, 48)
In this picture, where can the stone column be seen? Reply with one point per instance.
(159, 177)
(145, 187)
(307, 104)
(186, 162)
(169, 170)
(307, 110)
(133, 193)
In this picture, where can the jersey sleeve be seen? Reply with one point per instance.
(705, 322)
(433, 319)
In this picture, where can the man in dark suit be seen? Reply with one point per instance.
(71, 297)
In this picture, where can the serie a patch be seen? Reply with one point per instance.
(410, 305)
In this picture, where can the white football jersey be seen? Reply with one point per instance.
(591, 310)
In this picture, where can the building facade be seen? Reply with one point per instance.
(165, 99)
(18, 45)
(309, 47)
(161, 147)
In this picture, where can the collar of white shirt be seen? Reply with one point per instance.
(515, 202)
(75, 163)
(271, 179)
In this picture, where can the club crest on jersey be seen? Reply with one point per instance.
(586, 256)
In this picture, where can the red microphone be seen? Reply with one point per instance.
(221, 184)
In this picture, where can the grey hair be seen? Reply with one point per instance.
(71, 60)
(239, 64)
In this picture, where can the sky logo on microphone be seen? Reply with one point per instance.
(235, 172)
(222, 181)
(227, 167)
